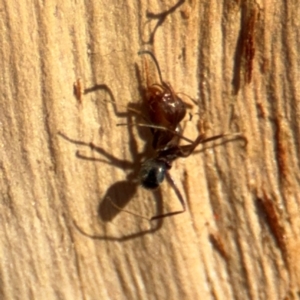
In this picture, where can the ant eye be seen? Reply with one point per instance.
(152, 173)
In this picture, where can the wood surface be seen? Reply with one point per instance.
(61, 238)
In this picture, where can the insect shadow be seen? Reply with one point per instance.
(121, 192)
(165, 111)
(160, 17)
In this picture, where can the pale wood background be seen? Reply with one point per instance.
(46, 187)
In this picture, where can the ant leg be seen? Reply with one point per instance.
(163, 85)
(179, 196)
(113, 101)
(189, 97)
(186, 150)
(157, 127)
(128, 109)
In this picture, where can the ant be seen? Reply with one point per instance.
(165, 112)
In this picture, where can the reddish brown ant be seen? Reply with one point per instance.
(165, 112)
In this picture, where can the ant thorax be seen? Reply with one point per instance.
(165, 107)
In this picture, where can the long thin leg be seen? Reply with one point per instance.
(157, 127)
(128, 109)
(193, 100)
(186, 150)
(179, 196)
(156, 64)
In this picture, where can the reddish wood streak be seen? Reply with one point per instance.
(77, 90)
(218, 244)
(282, 151)
(249, 44)
(260, 110)
(265, 65)
(273, 221)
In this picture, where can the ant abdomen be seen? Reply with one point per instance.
(152, 173)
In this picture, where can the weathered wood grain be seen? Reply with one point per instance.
(60, 236)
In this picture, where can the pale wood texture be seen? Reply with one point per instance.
(239, 238)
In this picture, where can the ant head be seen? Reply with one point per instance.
(152, 173)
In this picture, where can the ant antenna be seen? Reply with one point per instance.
(156, 64)
(186, 95)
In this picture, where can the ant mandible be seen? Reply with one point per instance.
(165, 112)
